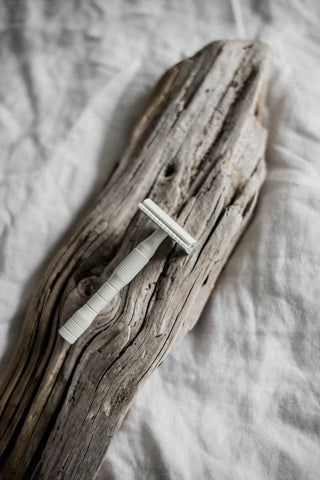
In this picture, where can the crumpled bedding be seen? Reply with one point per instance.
(239, 398)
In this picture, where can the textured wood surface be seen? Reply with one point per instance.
(198, 151)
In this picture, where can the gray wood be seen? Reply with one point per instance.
(198, 151)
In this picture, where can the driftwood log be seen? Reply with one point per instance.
(198, 151)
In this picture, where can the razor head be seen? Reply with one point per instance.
(162, 219)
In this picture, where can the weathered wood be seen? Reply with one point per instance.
(198, 151)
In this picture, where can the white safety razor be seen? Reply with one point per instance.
(127, 269)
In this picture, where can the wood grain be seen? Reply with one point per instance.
(198, 151)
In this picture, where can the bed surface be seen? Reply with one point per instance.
(239, 398)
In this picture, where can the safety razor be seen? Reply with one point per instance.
(138, 258)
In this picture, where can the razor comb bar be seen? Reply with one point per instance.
(171, 227)
(127, 269)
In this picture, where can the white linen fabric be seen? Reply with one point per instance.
(239, 398)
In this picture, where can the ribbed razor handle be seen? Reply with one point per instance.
(121, 276)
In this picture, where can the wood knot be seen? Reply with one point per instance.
(88, 286)
(170, 170)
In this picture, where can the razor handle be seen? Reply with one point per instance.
(121, 276)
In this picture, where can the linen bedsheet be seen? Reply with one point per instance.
(239, 398)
